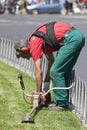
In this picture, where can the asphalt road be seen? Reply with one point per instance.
(16, 27)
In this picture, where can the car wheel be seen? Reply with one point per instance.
(35, 12)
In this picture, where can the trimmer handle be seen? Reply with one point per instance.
(21, 81)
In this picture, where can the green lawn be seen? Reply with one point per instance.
(13, 107)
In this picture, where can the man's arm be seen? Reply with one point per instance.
(38, 75)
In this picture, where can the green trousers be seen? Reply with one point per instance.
(61, 69)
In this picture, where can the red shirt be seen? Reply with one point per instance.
(85, 0)
(36, 49)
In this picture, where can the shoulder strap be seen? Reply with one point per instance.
(50, 33)
(42, 35)
(49, 37)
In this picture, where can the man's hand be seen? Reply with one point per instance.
(40, 94)
(42, 97)
(32, 98)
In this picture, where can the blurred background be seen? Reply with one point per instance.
(43, 6)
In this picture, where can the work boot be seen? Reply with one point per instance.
(54, 107)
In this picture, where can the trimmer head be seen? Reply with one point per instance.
(28, 119)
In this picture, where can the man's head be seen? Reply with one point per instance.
(22, 49)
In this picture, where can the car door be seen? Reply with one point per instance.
(50, 7)
(55, 8)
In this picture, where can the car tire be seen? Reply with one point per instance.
(35, 12)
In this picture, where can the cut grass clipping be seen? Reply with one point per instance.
(13, 107)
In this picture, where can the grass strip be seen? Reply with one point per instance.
(13, 107)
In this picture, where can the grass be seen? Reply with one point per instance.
(13, 107)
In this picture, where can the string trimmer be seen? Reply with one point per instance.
(38, 100)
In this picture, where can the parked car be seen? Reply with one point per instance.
(44, 7)
(2, 6)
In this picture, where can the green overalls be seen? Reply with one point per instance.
(66, 58)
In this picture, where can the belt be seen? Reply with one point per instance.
(66, 34)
